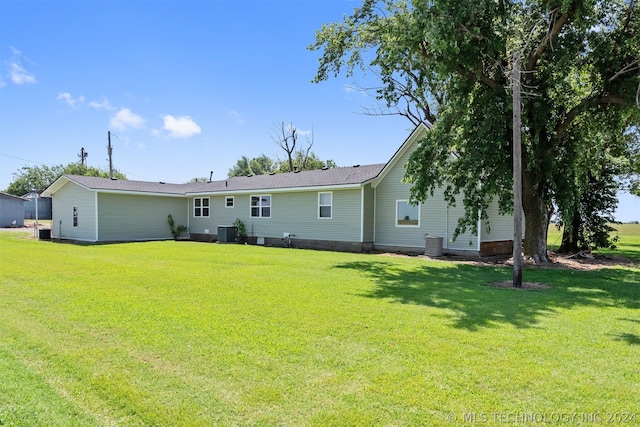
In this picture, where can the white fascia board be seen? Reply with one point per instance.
(138, 193)
(411, 139)
(58, 184)
(277, 190)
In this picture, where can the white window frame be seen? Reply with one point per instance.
(75, 216)
(330, 205)
(202, 207)
(226, 202)
(397, 219)
(260, 206)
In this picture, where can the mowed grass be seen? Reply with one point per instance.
(627, 246)
(182, 333)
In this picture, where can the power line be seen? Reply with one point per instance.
(25, 160)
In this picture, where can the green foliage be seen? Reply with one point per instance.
(242, 230)
(448, 62)
(166, 333)
(38, 178)
(257, 166)
(176, 230)
(263, 165)
(304, 161)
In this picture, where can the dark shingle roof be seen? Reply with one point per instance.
(352, 175)
(96, 183)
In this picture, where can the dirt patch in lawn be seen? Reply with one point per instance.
(526, 286)
(581, 261)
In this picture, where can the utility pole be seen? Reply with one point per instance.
(110, 152)
(517, 174)
(83, 156)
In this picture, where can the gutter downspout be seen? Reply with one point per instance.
(479, 230)
(96, 193)
(446, 227)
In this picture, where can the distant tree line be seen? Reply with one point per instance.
(296, 157)
(38, 178)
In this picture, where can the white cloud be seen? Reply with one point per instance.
(125, 119)
(69, 100)
(180, 127)
(16, 71)
(103, 105)
(19, 75)
(235, 116)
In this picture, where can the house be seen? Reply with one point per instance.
(11, 210)
(356, 208)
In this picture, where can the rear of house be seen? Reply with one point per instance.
(357, 208)
(325, 209)
(94, 209)
(403, 227)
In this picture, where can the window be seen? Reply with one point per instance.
(228, 202)
(75, 216)
(261, 206)
(325, 202)
(201, 207)
(407, 215)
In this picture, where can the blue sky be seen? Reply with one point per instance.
(185, 87)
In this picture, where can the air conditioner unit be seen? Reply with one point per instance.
(433, 246)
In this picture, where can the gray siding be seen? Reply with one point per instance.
(369, 213)
(465, 241)
(436, 218)
(69, 196)
(291, 212)
(497, 227)
(138, 217)
(11, 209)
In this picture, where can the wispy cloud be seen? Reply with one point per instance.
(102, 105)
(16, 70)
(125, 119)
(70, 100)
(180, 127)
(235, 116)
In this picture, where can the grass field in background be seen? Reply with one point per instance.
(183, 333)
(628, 245)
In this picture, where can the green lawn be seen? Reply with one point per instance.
(182, 333)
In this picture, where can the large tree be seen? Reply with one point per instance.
(448, 62)
(38, 178)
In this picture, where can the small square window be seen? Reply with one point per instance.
(407, 215)
(201, 207)
(261, 206)
(229, 201)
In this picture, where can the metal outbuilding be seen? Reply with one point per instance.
(11, 210)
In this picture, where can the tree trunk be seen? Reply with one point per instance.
(571, 237)
(536, 220)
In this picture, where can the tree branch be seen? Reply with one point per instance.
(480, 77)
(553, 31)
(562, 127)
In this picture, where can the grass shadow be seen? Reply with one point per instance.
(631, 339)
(464, 293)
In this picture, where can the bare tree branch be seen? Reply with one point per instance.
(632, 66)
